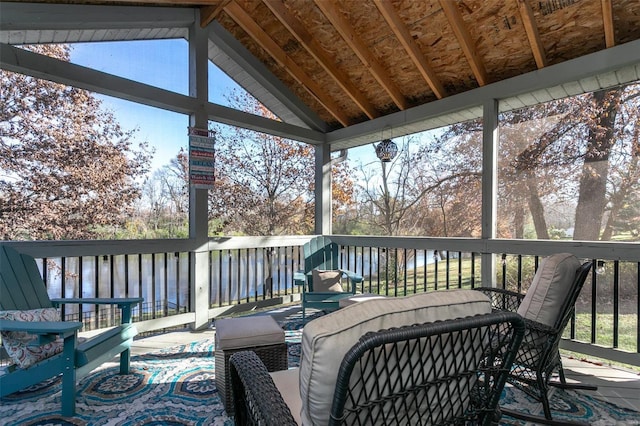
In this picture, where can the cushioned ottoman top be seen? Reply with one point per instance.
(236, 333)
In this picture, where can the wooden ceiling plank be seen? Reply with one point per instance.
(454, 17)
(331, 9)
(298, 30)
(607, 18)
(529, 22)
(413, 50)
(209, 13)
(247, 23)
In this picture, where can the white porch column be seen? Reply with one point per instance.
(323, 217)
(489, 187)
(198, 198)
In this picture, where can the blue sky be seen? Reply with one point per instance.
(166, 131)
(168, 60)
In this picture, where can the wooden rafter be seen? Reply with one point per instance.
(607, 18)
(533, 34)
(298, 30)
(254, 30)
(209, 13)
(454, 17)
(413, 50)
(331, 9)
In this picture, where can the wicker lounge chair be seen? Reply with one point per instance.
(547, 307)
(437, 372)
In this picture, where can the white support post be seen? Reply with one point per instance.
(198, 198)
(489, 187)
(323, 217)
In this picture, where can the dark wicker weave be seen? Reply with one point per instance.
(443, 373)
(274, 358)
(539, 358)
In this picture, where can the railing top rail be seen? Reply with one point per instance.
(584, 249)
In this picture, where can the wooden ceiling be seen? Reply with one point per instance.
(355, 60)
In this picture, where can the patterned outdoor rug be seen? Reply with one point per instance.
(176, 386)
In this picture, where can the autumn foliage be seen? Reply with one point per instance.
(68, 169)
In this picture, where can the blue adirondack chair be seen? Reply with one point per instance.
(323, 254)
(22, 289)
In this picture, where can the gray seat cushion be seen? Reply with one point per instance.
(245, 332)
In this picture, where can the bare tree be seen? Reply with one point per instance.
(265, 184)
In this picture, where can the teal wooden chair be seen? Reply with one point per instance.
(322, 254)
(23, 295)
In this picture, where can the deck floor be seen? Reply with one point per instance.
(615, 384)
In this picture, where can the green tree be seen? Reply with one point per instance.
(67, 169)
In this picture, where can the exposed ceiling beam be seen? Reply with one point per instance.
(52, 69)
(331, 9)
(607, 18)
(411, 47)
(621, 61)
(247, 70)
(298, 30)
(454, 17)
(209, 13)
(529, 22)
(254, 30)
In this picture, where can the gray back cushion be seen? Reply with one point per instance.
(326, 340)
(549, 288)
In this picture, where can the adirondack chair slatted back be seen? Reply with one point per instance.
(320, 253)
(21, 285)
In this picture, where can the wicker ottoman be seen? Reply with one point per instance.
(260, 334)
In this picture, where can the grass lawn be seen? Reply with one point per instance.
(414, 281)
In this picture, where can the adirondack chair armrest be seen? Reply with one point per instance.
(353, 277)
(124, 303)
(47, 330)
(299, 278)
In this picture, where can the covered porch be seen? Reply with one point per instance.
(187, 351)
(190, 282)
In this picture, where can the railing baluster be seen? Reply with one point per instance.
(165, 259)
(176, 257)
(436, 260)
(637, 307)
(238, 283)
(473, 269)
(425, 254)
(504, 270)
(415, 271)
(459, 269)
(519, 273)
(154, 296)
(96, 289)
(616, 303)
(80, 288)
(448, 272)
(140, 289)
